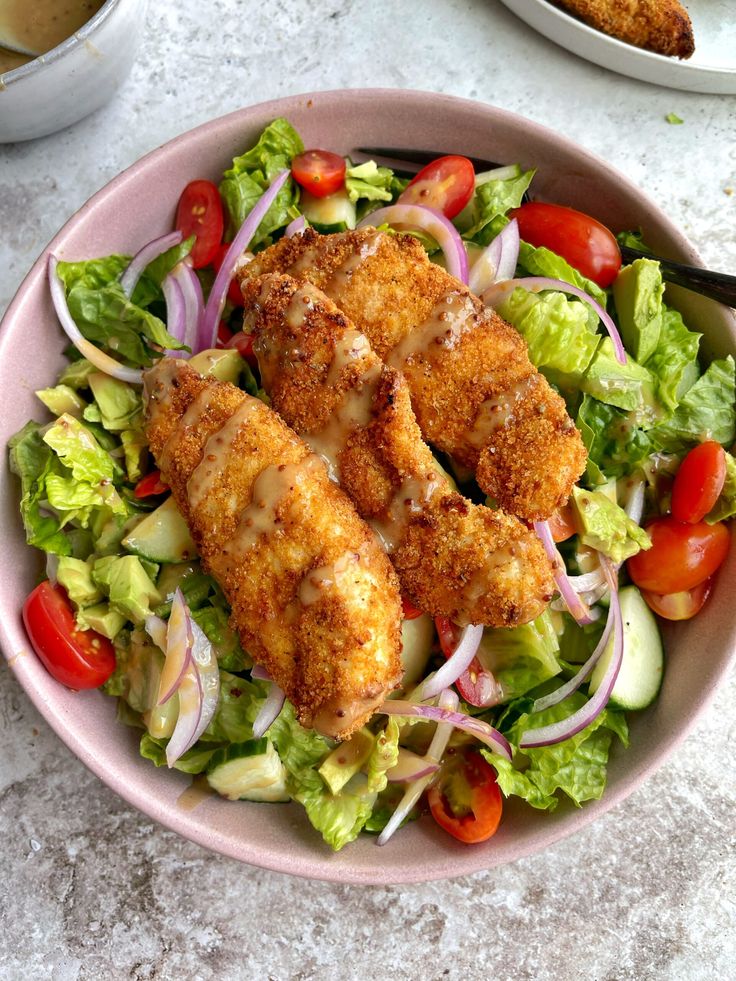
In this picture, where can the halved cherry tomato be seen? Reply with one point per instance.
(679, 606)
(234, 293)
(561, 524)
(151, 484)
(699, 482)
(465, 801)
(681, 557)
(476, 685)
(319, 171)
(243, 344)
(224, 334)
(409, 611)
(446, 184)
(200, 213)
(586, 244)
(76, 658)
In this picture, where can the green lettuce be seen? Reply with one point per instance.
(252, 173)
(725, 506)
(706, 411)
(239, 703)
(606, 527)
(674, 363)
(214, 622)
(520, 658)
(540, 261)
(385, 754)
(486, 214)
(33, 461)
(338, 817)
(195, 760)
(614, 442)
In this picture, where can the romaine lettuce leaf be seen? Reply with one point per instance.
(615, 445)
(239, 704)
(520, 658)
(338, 817)
(540, 261)
(33, 461)
(492, 199)
(706, 411)
(674, 363)
(195, 760)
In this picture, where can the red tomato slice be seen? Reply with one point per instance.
(586, 244)
(699, 482)
(681, 557)
(410, 612)
(200, 213)
(243, 344)
(446, 184)
(224, 334)
(76, 658)
(561, 524)
(476, 685)
(679, 606)
(150, 484)
(234, 293)
(319, 171)
(465, 801)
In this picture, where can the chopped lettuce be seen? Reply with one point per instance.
(540, 261)
(492, 199)
(127, 585)
(706, 411)
(520, 658)
(674, 363)
(239, 704)
(33, 461)
(195, 760)
(605, 526)
(369, 181)
(614, 442)
(214, 622)
(384, 756)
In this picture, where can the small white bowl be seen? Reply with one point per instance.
(74, 78)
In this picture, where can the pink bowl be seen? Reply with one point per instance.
(140, 204)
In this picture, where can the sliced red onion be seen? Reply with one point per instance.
(296, 227)
(192, 309)
(260, 673)
(147, 254)
(478, 686)
(186, 730)
(239, 244)
(447, 702)
(481, 730)
(634, 499)
(93, 354)
(455, 665)
(156, 630)
(409, 767)
(557, 732)
(586, 582)
(205, 661)
(574, 603)
(179, 643)
(535, 284)
(175, 323)
(269, 710)
(434, 223)
(498, 261)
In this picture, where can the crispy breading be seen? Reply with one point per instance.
(314, 598)
(474, 391)
(453, 557)
(663, 26)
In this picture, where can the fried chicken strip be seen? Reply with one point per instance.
(314, 598)
(453, 557)
(663, 26)
(474, 391)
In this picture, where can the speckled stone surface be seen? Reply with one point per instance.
(89, 889)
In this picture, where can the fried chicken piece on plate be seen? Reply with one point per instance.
(314, 598)
(454, 558)
(662, 26)
(474, 391)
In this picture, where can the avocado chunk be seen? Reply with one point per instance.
(76, 578)
(223, 364)
(119, 403)
(605, 526)
(346, 760)
(638, 291)
(101, 618)
(127, 584)
(61, 399)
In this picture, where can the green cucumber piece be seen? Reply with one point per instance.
(248, 771)
(162, 536)
(642, 667)
(334, 209)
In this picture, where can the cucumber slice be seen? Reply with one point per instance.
(642, 667)
(248, 771)
(162, 536)
(335, 209)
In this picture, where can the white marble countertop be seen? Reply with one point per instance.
(90, 888)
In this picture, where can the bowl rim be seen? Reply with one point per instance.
(319, 866)
(50, 57)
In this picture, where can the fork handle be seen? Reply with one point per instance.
(714, 285)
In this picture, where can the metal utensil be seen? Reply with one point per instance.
(715, 285)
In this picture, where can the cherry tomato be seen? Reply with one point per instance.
(476, 685)
(699, 482)
(243, 344)
(76, 658)
(465, 801)
(234, 293)
(200, 213)
(446, 184)
(150, 484)
(586, 244)
(679, 606)
(319, 171)
(224, 334)
(561, 524)
(681, 557)
(409, 611)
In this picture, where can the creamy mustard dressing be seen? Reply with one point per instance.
(326, 578)
(344, 273)
(409, 500)
(189, 420)
(452, 316)
(218, 450)
(495, 413)
(39, 25)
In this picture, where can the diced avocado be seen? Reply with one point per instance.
(605, 526)
(76, 578)
(118, 402)
(61, 399)
(248, 771)
(638, 291)
(346, 760)
(102, 618)
(223, 364)
(334, 209)
(417, 637)
(629, 386)
(162, 536)
(128, 585)
(109, 529)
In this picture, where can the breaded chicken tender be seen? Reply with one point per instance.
(453, 557)
(662, 26)
(314, 598)
(474, 391)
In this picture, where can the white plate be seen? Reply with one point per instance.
(712, 68)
